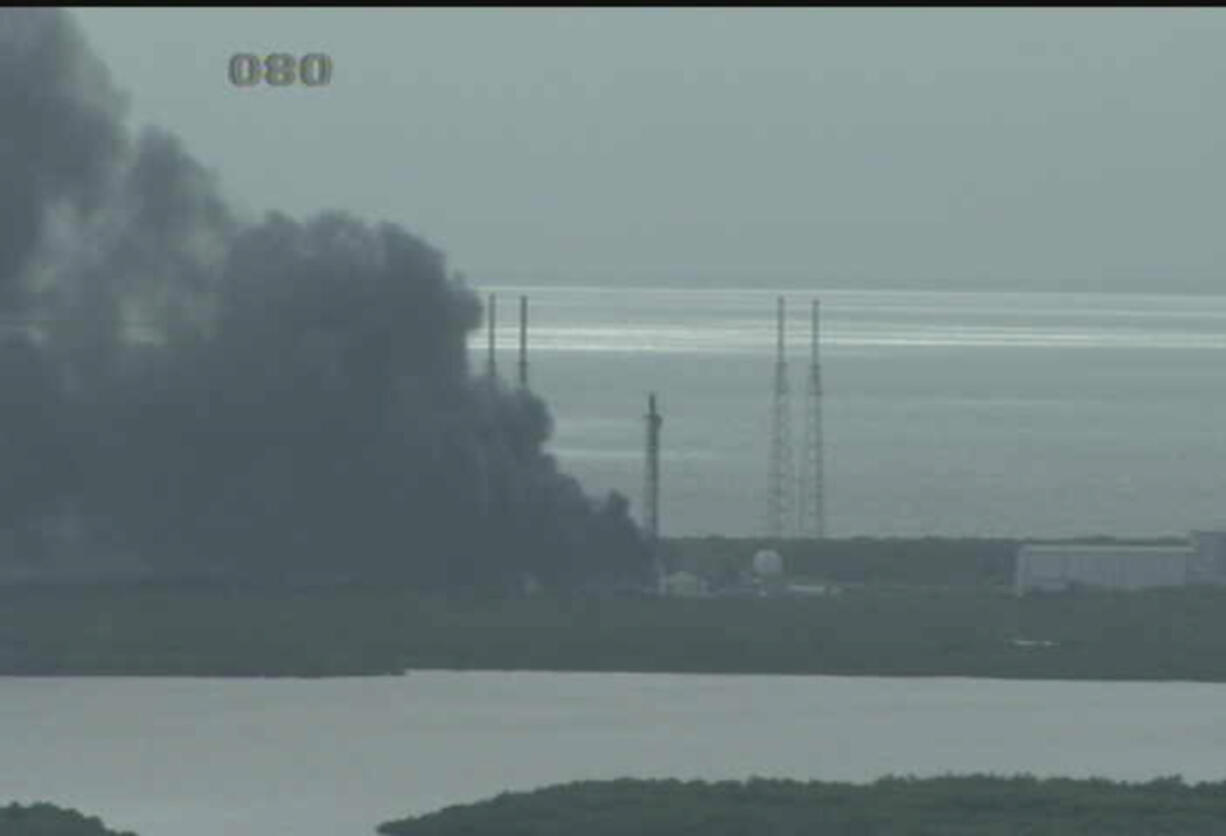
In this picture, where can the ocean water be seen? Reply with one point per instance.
(199, 757)
(945, 413)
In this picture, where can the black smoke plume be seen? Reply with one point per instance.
(199, 394)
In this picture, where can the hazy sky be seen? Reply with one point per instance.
(992, 147)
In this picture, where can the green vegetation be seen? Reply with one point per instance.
(972, 805)
(947, 806)
(44, 819)
(352, 630)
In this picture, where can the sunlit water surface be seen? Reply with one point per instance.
(1010, 414)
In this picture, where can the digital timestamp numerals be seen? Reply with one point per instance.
(280, 69)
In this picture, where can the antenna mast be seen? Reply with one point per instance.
(778, 495)
(651, 499)
(811, 509)
(491, 362)
(523, 342)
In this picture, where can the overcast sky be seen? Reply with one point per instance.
(992, 147)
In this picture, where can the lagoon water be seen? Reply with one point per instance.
(946, 413)
(198, 757)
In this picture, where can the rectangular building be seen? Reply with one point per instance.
(1059, 567)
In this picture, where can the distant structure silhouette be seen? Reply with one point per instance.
(491, 360)
(651, 492)
(811, 504)
(523, 342)
(779, 478)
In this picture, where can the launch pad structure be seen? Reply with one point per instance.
(794, 495)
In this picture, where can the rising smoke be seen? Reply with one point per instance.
(273, 399)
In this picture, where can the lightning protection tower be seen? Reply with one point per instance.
(651, 492)
(780, 478)
(523, 342)
(811, 509)
(491, 361)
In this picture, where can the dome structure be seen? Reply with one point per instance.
(767, 563)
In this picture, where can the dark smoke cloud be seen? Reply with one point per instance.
(59, 138)
(274, 399)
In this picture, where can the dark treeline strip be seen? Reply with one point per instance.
(349, 630)
(950, 806)
(982, 805)
(42, 819)
(916, 561)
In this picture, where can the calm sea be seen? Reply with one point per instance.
(199, 757)
(945, 413)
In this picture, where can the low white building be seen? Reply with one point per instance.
(1058, 567)
(684, 585)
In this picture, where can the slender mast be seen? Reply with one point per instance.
(523, 342)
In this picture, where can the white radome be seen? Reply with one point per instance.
(767, 563)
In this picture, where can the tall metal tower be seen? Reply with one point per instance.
(523, 342)
(811, 507)
(491, 361)
(651, 492)
(780, 476)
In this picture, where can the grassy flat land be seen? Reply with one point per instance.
(897, 631)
